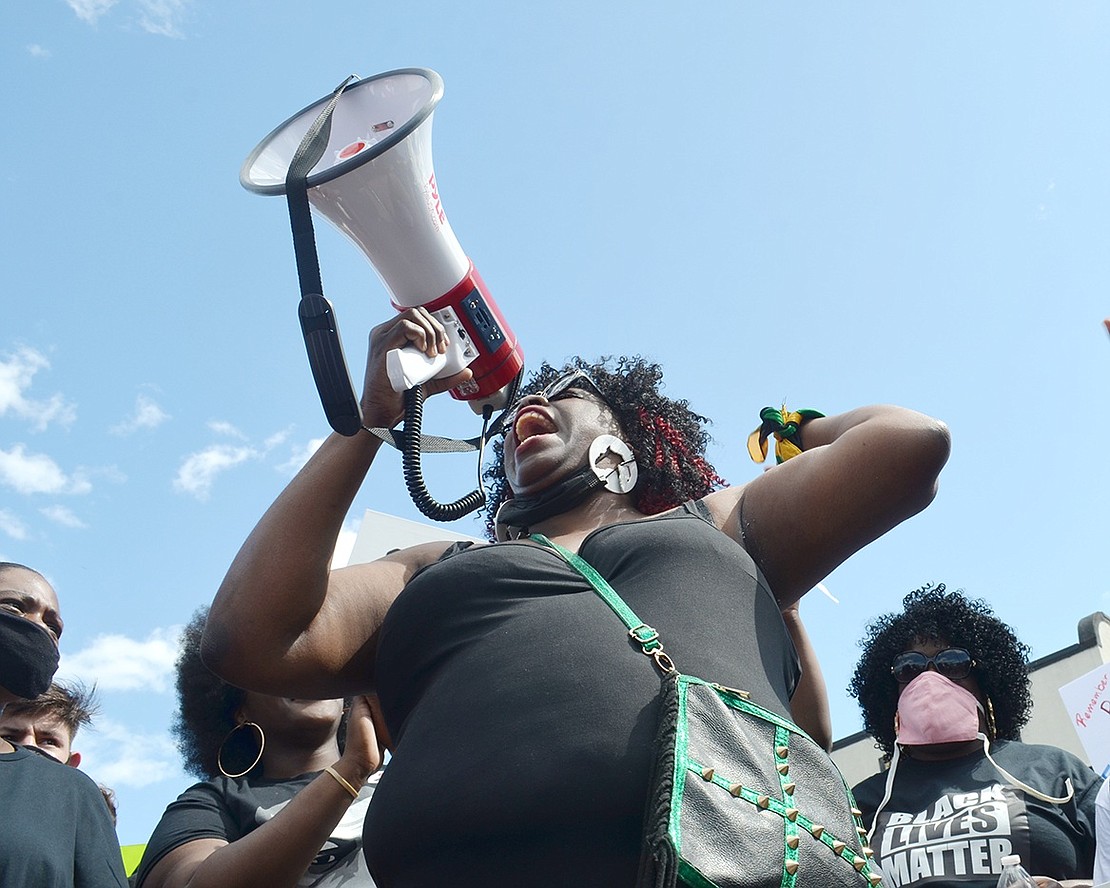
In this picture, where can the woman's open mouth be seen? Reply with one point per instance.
(529, 424)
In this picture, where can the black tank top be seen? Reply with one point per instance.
(522, 715)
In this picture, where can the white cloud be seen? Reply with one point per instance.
(38, 52)
(16, 374)
(147, 415)
(118, 755)
(119, 663)
(37, 473)
(64, 516)
(199, 471)
(278, 438)
(162, 17)
(12, 526)
(90, 10)
(299, 457)
(223, 427)
(108, 473)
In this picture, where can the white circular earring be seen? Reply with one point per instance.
(620, 477)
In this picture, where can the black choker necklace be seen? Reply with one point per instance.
(524, 511)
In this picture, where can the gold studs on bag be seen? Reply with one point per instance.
(858, 861)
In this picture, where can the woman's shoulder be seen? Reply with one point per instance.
(1053, 763)
(1017, 750)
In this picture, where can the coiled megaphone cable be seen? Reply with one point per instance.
(414, 474)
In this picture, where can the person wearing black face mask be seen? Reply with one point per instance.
(57, 832)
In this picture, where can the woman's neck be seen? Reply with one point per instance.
(939, 752)
(600, 510)
(284, 763)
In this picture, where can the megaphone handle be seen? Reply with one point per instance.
(408, 367)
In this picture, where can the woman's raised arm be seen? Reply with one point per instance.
(860, 474)
(283, 622)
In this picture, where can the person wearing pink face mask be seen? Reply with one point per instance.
(944, 690)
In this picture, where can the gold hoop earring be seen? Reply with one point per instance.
(257, 758)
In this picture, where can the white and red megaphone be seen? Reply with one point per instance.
(374, 182)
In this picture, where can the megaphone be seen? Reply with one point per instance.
(362, 159)
(374, 181)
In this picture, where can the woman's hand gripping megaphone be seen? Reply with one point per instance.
(411, 366)
(415, 331)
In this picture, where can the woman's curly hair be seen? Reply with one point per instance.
(206, 708)
(206, 704)
(934, 613)
(666, 436)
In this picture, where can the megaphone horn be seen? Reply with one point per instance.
(374, 181)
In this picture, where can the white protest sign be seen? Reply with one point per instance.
(1087, 700)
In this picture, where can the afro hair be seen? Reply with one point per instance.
(933, 613)
(666, 436)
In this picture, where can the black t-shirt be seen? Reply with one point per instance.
(523, 716)
(951, 822)
(229, 808)
(57, 832)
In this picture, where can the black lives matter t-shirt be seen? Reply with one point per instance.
(952, 822)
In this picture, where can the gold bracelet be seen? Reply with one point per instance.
(342, 782)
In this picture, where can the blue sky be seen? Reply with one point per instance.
(830, 205)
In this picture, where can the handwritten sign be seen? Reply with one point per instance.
(1087, 700)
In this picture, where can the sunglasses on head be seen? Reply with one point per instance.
(953, 663)
(575, 379)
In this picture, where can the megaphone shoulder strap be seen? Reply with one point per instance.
(318, 324)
